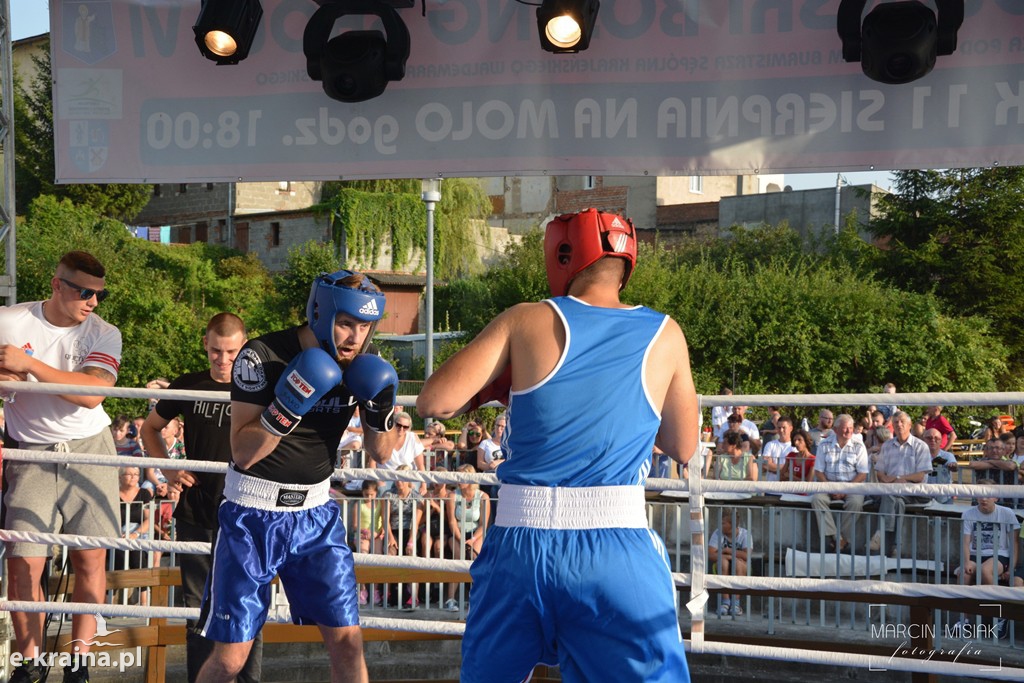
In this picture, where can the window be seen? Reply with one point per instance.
(156, 190)
(209, 187)
(697, 184)
(275, 234)
(182, 188)
(202, 232)
(589, 182)
(284, 187)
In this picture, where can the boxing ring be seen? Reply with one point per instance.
(378, 568)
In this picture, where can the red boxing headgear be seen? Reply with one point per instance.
(574, 241)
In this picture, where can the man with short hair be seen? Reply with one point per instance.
(207, 437)
(720, 414)
(773, 456)
(59, 341)
(822, 430)
(943, 463)
(903, 459)
(571, 529)
(840, 458)
(292, 394)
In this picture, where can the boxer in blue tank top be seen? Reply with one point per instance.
(570, 573)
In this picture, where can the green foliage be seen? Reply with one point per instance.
(305, 263)
(960, 235)
(369, 216)
(34, 157)
(778, 315)
(161, 296)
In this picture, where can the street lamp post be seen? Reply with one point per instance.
(431, 195)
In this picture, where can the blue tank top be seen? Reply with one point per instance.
(590, 422)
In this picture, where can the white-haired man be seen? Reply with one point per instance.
(903, 459)
(840, 458)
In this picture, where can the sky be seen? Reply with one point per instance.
(31, 18)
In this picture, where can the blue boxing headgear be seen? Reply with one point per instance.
(328, 297)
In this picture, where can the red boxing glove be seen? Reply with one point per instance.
(498, 390)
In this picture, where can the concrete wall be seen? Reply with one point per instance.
(807, 211)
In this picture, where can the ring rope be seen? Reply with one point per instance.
(383, 474)
(946, 398)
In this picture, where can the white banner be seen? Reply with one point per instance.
(667, 87)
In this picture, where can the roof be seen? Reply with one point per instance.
(398, 279)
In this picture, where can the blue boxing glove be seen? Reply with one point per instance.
(374, 383)
(309, 376)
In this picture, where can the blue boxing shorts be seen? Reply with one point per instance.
(565, 584)
(306, 547)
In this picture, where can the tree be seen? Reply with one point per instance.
(368, 216)
(960, 235)
(34, 155)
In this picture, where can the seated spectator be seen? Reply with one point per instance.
(989, 542)
(489, 454)
(469, 510)
(996, 462)
(728, 548)
(172, 435)
(904, 459)
(774, 452)
(839, 459)
(770, 427)
(799, 465)
(135, 520)
(934, 419)
(920, 424)
(888, 410)
(823, 429)
(436, 521)
(943, 463)
(720, 414)
(876, 435)
(125, 444)
(366, 530)
(473, 434)
(734, 464)
(994, 428)
(349, 446)
(749, 428)
(402, 516)
(435, 440)
(408, 452)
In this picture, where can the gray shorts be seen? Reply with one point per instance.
(51, 498)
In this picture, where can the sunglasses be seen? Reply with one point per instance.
(474, 433)
(402, 426)
(84, 293)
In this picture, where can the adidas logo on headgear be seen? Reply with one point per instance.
(370, 308)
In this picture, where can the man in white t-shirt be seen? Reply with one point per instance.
(773, 455)
(59, 341)
(989, 539)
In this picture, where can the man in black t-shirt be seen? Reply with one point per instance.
(292, 395)
(207, 437)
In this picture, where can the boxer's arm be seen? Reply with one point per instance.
(250, 441)
(452, 387)
(680, 418)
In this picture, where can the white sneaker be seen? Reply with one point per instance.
(737, 611)
(451, 605)
(724, 609)
(876, 541)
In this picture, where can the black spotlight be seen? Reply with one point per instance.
(225, 29)
(356, 65)
(566, 25)
(899, 41)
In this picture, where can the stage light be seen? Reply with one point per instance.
(566, 25)
(898, 41)
(355, 65)
(225, 29)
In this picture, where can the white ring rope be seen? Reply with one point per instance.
(383, 474)
(943, 398)
(88, 542)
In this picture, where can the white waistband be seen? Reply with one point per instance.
(262, 494)
(593, 507)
